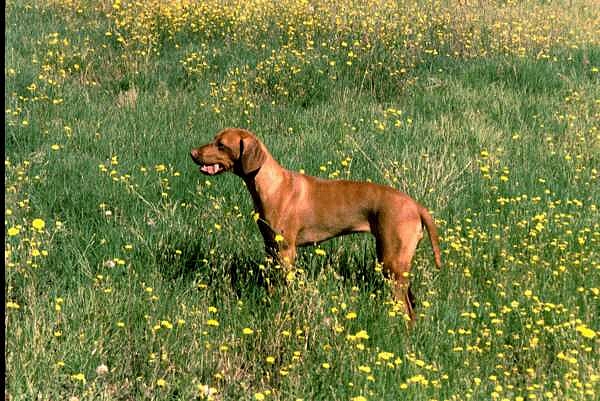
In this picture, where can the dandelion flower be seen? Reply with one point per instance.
(101, 370)
(585, 331)
(12, 305)
(385, 355)
(364, 369)
(291, 276)
(362, 335)
(79, 377)
(207, 391)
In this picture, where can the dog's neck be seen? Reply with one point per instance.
(264, 184)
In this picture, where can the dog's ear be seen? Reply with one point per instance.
(252, 155)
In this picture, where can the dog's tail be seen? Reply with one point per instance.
(427, 220)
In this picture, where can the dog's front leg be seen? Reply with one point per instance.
(287, 255)
(282, 250)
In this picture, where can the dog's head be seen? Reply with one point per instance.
(233, 149)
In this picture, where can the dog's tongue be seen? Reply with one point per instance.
(210, 169)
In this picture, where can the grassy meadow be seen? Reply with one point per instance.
(131, 276)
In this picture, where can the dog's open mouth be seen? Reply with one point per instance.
(212, 169)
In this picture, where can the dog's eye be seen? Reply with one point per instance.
(220, 146)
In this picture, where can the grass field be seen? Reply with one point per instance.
(131, 276)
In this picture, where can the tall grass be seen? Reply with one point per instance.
(129, 275)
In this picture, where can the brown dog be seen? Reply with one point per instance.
(305, 210)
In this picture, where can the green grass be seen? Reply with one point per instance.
(149, 268)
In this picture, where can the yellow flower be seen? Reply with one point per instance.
(585, 331)
(351, 315)
(212, 322)
(364, 369)
(259, 396)
(385, 355)
(13, 231)
(247, 331)
(12, 305)
(362, 335)
(270, 359)
(38, 224)
(320, 252)
(278, 238)
(161, 382)
(80, 377)
(291, 276)
(418, 379)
